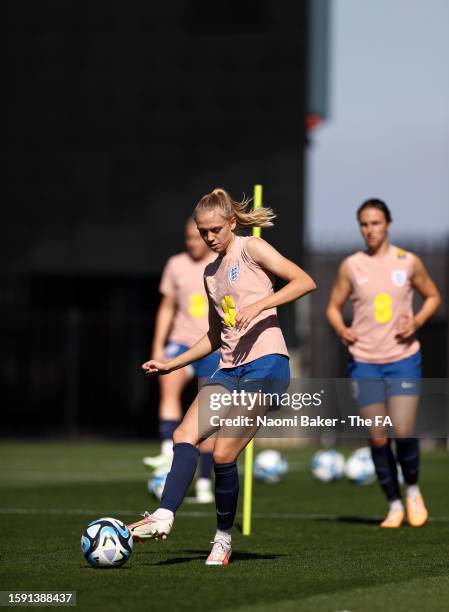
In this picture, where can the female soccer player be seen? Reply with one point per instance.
(385, 360)
(180, 322)
(243, 323)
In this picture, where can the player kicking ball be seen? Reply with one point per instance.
(385, 358)
(243, 323)
(181, 321)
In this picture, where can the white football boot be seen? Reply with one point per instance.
(151, 527)
(159, 461)
(220, 553)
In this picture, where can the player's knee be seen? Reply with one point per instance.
(180, 435)
(379, 441)
(404, 433)
(224, 456)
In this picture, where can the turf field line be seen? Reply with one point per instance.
(13, 473)
(203, 514)
(54, 475)
(55, 472)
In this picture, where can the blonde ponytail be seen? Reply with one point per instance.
(227, 207)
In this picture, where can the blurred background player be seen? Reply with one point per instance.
(385, 358)
(181, 321)
(243, 322)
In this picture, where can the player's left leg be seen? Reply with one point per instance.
(403, 409)
(268, 374)
(403, 388)
(226, 494)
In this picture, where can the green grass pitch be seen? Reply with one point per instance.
(314, 547)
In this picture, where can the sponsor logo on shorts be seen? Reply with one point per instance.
(407, 385)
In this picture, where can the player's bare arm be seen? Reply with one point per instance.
(203, 347)
(339, 295)
(208, 344)
(424, 285)
(164, 320)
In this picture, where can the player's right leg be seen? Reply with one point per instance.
(385, 465)
(185, 459)
(170, 414)
(387, 475)
(204, 368)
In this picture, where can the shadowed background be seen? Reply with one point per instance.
(119, 118)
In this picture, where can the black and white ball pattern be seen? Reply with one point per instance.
(107, 542)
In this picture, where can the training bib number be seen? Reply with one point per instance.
(197, 306)
(228, 307)
(382, 308)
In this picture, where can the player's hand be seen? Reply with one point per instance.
(154, 366)
(406, 327)
(245, 315)
(348, 336)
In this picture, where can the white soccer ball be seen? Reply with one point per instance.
(156, 483)
(270, 466)
(327, 465)
(360, 467)
(107, 542)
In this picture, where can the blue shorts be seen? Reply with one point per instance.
(269, 374)
(374, 383)
(203, 367)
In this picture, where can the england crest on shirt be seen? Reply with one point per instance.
(399, 277)
(233, 273)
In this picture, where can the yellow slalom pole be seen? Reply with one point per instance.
(249, 450)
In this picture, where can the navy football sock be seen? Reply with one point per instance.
(167, 427)
(408, 455)
(226, 493)
(183, 468)
(206, 465)
(386, 470)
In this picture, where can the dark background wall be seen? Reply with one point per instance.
(119, 117)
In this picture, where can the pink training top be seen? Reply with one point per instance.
(381, 294)
(183, 281)
(235, 281)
